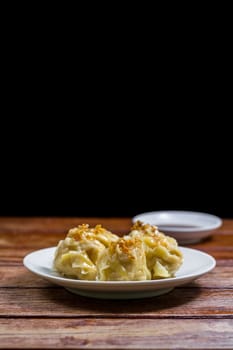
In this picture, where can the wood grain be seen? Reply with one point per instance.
(35, 313)
(56, 301)
(116, 334)
(59, 225)
(15, 248)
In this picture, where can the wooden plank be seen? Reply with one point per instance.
(215, 242)
(227, 226)
(11, 256)
(197, 315)
(19, 276)
(225, 262)
(116, 334)
(18, 245)
(29, 240)
(57, 302)
(54, 223)
(59, 225)
(17, 228)
(39, 239)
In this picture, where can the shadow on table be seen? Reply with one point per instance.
(178, 298)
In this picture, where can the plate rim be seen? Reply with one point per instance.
(110, 284)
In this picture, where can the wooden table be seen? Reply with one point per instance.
(37, 314)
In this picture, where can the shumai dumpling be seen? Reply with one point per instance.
(77, 254)
(124, 260)
(163, 255)
(97, 254)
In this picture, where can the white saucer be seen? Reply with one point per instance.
(196, 264)
(185, 226)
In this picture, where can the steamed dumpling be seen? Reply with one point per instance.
(76, 256)
(98, 254)
(163, 255)
(124, 260)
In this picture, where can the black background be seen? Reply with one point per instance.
(116, 168)
(119, 146)
(117, 124)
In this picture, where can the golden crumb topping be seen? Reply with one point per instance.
(145, 228)
(94, 253)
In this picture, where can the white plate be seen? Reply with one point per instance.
(185, 226)
(196, 263)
